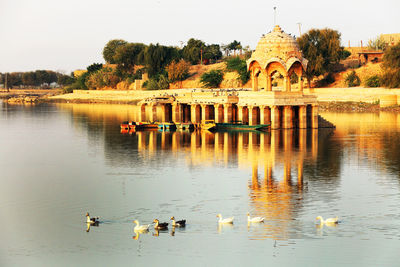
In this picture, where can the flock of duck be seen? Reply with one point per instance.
(182, 223)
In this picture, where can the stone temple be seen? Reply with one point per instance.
(277, 56)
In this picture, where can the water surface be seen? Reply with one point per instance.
(59, 161)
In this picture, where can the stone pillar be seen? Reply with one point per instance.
(286, 83)
(262, 114)
(217, 113)
(176, 112)
(153, 112)
(227, 113)
(269, 83)
(240, 113)
(287, 117)
(163, 113)
(267, 115)
(186, 112)
(300, 82)
(314, 116)
(251, 117)
(205, 112)
(194, 112)
(302, 117)
(142, 112)
(275, 118)
(254, 81)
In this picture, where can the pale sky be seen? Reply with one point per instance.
(64, 35)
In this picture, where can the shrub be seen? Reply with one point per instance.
(212, 79)
(352, 79)
(240, 66)
(178, 71)
(391, 67)
(373, 81)
(101, 78)
(157, 82)
(328, 79)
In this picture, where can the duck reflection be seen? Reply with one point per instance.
(138, 233)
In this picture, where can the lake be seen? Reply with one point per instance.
(59, 161)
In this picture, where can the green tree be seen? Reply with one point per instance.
(29, 79)
(212, 52)
(238, 65)
(192, 50)
(14, 79)
(129, 55)
(157, 57)
(212, 79)
(322, 49)
(157, 82)
(391, 67)
(64, 80)
(101, 78)
(110, 49)
(178, 71)
(352, 79)
(94, 67)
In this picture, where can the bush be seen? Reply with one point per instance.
(240, 66)
(373, 81)
(212, 79)
(102, 78)
(328, 79)
(157, 82)
(391, 67)
(352, 79)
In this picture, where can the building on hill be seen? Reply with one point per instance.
(391, 39)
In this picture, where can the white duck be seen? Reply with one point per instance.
(254, 219)
(139, 227)
(328, 221)
(226, 220)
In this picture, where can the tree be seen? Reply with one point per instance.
(64, 80)
(235, 45)
(101, 78)
(212, 79)
(14, 79)
(377, 44)
(94, 67)
(391, 67)
(178, 71)
(212, 52)
(29, 79)
(238, 65)
(129, 55)
(157, 57)
(192, 50)
(322, 49)
(110, 49)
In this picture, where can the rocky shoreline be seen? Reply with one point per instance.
(358, 107)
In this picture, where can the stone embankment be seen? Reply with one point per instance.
(20, 96)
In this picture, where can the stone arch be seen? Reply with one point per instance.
(297, 68)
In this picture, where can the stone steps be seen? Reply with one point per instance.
(323, 123)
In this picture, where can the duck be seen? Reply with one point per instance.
(254, 219)
(92, 221)
(328, 221)
(160, 226)
(226, 220)
(181, 223)
(139, 227)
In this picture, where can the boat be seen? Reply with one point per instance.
(240, 126)
(208, 125)
(166, 126)
(128, 125)
(185, 126)
(145, 125)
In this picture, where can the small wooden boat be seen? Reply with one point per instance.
(185, 126)
(166, 126)
(128, 125)
(208, 125)
(145, 125)
(240, 126)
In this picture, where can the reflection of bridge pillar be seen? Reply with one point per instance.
(254, 176)
(240, 145)
(219, 113)
(163, 139)
(175, 142)
(287, 168)
(176, 112)
(267, 172)
(226, 147)
(302, 117)
(314, 143)
(314, 116)
(288, 140)
(141, 140)
(195, 113)
(287, 117)
(152, 141)
(227, 113)
(302, 140)
(275, 118)
(194, 142)
(300, 171)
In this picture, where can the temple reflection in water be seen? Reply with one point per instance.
(274, 163)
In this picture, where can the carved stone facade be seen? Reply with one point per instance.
(276, 51)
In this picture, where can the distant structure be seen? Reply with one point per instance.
(276, 51)
(391, 39)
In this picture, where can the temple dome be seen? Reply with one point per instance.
(277, 46)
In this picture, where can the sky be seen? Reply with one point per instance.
(65, 35)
